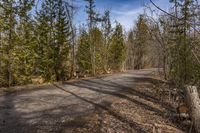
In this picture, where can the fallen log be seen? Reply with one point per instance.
(193, 102)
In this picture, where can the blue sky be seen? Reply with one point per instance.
(124, 11)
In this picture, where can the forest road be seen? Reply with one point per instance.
(54, 108)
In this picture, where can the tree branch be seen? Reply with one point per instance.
(171, 15)
(163, 10)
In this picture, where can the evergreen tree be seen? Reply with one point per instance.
(2, 66)
(45, 23)
(117, 49)
(182, 64)
(25, 42)
(62, 38)
(53, 31)
(107, 29)
(91, 24)
(96, 37)
(141, 41)
(8, 17)
(130, 57)
(84, 53)
(92, 15)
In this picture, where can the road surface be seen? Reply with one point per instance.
(53, 108)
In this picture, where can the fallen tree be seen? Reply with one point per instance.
(193, 102)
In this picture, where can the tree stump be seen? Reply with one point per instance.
(193, 102)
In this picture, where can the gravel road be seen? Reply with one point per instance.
(51, 108)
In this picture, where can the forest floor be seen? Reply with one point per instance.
(128, 102)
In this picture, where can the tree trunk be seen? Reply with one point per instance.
(10, 42)
(193, 102)
(1, 48)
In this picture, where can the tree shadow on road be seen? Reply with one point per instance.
(118, 90)
(118, 116)
(11, 121)
(14, 121)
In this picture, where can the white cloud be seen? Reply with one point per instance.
(127, 14)
(124, 13)
(127, 17)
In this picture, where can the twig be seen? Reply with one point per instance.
(196, 57)
(171, 15)
(164, 10)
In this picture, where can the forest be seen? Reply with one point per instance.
(40, 43)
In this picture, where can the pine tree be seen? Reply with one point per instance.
(92, 15)
(107, 30)
(141, 41)
(25, 43)
(117, 49)
(130, 57)
(2, 66)
(45, 24)
(96, 37)
(62, 37)
(90, 10)
(84, 53)
(181, 54)
(8, 15)
(53, 31)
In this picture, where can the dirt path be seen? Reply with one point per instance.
(113, 103)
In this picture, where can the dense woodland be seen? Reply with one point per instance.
(43, 45)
